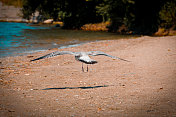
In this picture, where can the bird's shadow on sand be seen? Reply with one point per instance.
(89, 87)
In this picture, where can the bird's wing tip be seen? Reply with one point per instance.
(32, 60)
(126, 60)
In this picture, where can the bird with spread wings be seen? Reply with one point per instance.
(80, 56)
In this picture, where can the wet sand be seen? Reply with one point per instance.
(146, 86)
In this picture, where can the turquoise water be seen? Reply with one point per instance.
(21, 38)
(13, 38)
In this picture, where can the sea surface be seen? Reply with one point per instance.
(22, 38)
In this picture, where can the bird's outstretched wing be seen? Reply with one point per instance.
(53, 54)
(96, 53)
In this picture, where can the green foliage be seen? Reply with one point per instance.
(102, 9)
(29, 7)
(74, 13)
(168, 14)
(146, 16)
(119, 12)
(79, 12)
(139, 16)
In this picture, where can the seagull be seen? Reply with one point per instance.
(80, 56)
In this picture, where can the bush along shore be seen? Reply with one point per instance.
(123, 30)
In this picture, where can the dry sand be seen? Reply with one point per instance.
(146, 86)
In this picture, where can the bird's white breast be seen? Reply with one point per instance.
(86, 59)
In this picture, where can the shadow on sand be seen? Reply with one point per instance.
(90, 87)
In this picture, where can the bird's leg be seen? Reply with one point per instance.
(82, 67)
(87, 68)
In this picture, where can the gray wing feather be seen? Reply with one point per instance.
(53, 54)
(96, 53)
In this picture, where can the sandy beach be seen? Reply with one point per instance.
(57, 87)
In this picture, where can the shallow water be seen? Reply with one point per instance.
(22, 38)
(13, 38)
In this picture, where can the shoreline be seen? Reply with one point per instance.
(29, 52)
(143, 87)
(20, 43)
(97, 27)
